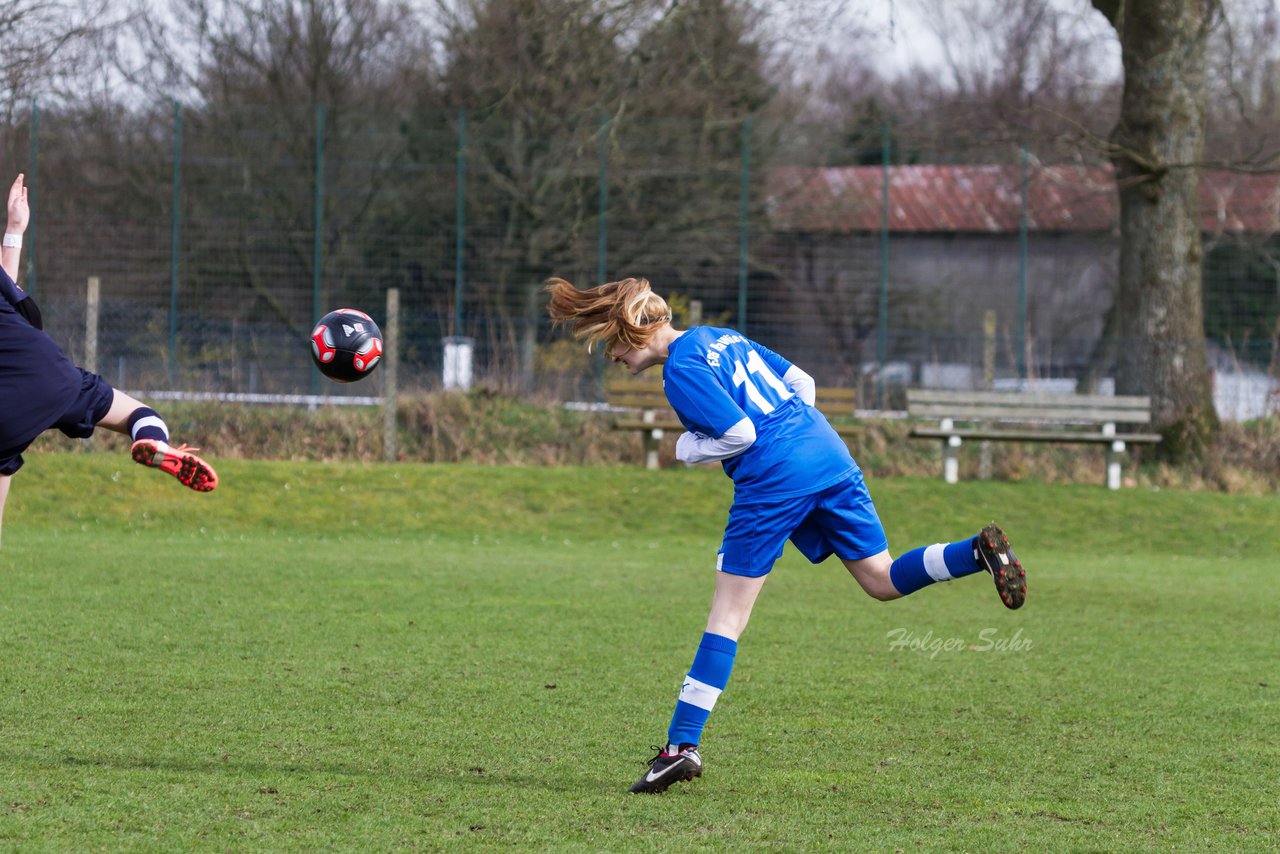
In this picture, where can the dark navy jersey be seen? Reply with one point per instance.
(38, 383)
(716, 377)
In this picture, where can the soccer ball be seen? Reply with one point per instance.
(346, 345)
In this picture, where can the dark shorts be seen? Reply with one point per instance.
(90, 407)
(839, 520)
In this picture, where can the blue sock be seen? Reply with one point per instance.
(146, 423)
(927, 564)
(707, 678)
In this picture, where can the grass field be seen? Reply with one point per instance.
(374, 658)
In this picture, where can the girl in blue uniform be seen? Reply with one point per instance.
(40, 388)
(751, 410)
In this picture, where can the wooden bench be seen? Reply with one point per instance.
(647, 412)
(1009, 417)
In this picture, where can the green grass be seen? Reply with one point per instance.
(371, 657)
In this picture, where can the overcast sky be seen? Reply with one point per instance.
(904, 38)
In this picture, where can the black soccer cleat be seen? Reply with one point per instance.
(667, 768)
(998, 559)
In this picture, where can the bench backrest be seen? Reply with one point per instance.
(836, 401)
(636, 394)
(1012, 406)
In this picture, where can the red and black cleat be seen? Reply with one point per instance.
(181, 462)
(998, 559)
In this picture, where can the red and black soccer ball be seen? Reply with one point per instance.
(346, 345)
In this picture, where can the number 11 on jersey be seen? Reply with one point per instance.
(755, 365)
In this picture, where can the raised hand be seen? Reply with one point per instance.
(19, 210)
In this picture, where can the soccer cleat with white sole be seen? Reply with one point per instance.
(667, 768)
(190, 470)
(998, 559)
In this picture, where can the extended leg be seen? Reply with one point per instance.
(887, 579)
(151, 446)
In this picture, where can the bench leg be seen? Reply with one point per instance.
(1114, 458)
(951, 459)
(652, 438)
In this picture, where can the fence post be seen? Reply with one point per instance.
(91, 306)
(988, 381)
(175, 244)
(882, 318)
(317, 246)
(391, 358)
(1022, 270)
(31, 195)
(460, 225)
(458, 348)
(602, 238)
(744, 225)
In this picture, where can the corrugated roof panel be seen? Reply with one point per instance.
(988, 199)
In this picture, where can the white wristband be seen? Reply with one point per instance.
(12, 241)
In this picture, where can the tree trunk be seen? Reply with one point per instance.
(1157, 146)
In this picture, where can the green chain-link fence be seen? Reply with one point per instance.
(218, 235)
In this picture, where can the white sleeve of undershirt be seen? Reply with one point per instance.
(801, 383)
(696, 448)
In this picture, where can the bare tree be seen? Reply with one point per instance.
(275, 91)
(44, 41)
(564, 95)
(49, 53)
(700, 77)
(1243, 111)
(1013, 72)
(535, 79)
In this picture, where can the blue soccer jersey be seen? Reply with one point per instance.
(716, 377)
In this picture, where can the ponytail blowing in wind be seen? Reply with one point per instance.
(627, 311)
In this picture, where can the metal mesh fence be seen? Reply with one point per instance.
(219, 235)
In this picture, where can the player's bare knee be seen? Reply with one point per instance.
(883, 591)
(872, 575)
(877, 585)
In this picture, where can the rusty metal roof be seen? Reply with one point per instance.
(987, 199)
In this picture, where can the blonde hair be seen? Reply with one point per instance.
(627, 311)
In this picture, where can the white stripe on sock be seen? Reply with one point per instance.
(934, 564)
(148, 421)
(698, 694)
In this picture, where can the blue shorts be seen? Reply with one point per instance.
(839, 520)
(90, 407)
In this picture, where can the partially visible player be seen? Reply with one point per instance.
(752, 410)
(40, 388)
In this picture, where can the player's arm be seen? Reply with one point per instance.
(11, 255)
(702, 400)
(19, 216)
(800, 383)
(697, 448)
